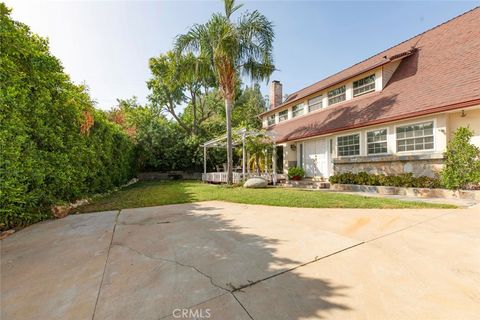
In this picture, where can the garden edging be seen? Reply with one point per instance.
(410, 192)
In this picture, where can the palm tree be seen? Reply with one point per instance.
(233, 49)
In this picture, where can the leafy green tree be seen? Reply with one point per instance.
(462, 161)
(232, 48)
(178, 80)
(248, 105)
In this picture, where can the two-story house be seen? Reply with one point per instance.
(391, 113)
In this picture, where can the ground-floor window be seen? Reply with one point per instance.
(377, 141)
(348, 145)
(418, 136)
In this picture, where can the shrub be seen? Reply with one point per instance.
(462, 164)
(401, 180)
(55, 147)
(296, 173)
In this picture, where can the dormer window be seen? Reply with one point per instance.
(364, 85)
(297, 110)
(283, 115)
(271, 120)
(315, 104)
(336, 95)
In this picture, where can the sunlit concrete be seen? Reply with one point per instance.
(235, 261)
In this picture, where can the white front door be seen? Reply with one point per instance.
(316, 158)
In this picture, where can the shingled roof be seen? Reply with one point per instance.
(443, 73)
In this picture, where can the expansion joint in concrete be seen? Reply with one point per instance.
(106, 262)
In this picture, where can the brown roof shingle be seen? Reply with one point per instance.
(442, 74)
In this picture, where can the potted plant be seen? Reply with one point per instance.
(296, 173)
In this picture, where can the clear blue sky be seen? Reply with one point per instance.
(108, 44)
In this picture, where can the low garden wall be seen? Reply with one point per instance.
(170, 175)
(419, 165)
(410, 192)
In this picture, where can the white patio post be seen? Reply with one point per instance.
(205, 159)
(274, 164)
(243, 156)
(266, 162)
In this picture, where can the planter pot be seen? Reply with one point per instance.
(296, 178)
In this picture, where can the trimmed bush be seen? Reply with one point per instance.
(402, 180)
(55, 147)
(296, 173)
(462, 162)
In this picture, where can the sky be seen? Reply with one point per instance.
(107, 44)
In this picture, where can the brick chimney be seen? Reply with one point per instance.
(275, 94)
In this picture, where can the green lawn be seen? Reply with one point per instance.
(155, 193)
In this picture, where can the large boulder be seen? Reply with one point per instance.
(256, 182)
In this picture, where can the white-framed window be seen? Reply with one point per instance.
(271, 120)
(348, 145)
(337, 95)
(283, 115)
(377, 141)
(364, 85)
(315, 104)
(413, 137)
(297, 110)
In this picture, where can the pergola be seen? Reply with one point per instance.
(243, 133)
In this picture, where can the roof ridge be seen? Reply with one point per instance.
(379, 53)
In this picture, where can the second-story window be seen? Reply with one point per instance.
(336, 95)
(271, 120)
(315, 104)
(297, 110)
(364, 85)
(283, 115)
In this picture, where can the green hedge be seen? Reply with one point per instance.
(401, 180)
(54, 146)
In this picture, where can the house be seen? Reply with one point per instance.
(391, 113)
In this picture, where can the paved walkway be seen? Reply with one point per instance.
(215, 260)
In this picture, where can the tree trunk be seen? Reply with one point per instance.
(194, 110)
(228, 113)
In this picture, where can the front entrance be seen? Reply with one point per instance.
(315, 158)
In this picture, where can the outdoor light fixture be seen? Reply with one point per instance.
(463, 115)
(293, 147)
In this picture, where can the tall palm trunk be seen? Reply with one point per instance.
(228, 113)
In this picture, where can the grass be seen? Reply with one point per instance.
(155, 193)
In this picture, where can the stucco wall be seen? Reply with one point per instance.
(471, 119)
(289, 156)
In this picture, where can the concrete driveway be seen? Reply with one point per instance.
(215, 260)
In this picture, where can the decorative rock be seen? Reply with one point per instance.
(7, 233)
(61, 211)
(256, 182)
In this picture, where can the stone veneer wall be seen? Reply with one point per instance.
(419, 165)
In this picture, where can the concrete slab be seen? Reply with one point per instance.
(429, 271)
(381, 264)
(53, 270)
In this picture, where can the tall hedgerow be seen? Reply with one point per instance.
(54, 145)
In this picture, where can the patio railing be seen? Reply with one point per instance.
(221, 177)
